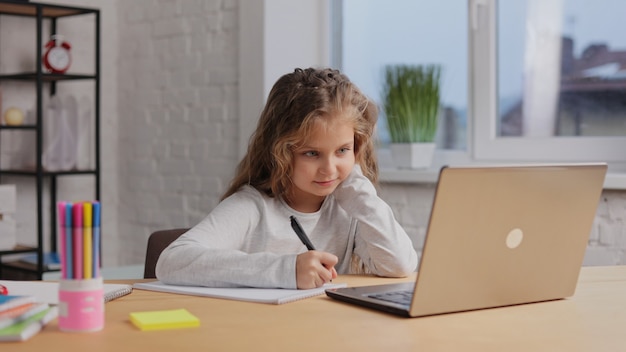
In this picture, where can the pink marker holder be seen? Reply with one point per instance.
(81, 305)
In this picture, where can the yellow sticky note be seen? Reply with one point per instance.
(164, 319)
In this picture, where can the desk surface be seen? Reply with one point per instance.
(594, 319)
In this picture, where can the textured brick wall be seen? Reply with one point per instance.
(607, 242)
(178, 117)
(169, 132)
(178, 131)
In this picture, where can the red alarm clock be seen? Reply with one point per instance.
(57, 58)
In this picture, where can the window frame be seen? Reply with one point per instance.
(482, 96)
(258, 66)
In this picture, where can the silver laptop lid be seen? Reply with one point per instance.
(506, 235)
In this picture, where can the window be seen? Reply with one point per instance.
(523, 80)
(375, 33)
(549, 80)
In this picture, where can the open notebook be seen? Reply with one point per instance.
(48, 292)
(260, 295)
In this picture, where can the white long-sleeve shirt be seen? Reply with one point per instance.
(247, 240)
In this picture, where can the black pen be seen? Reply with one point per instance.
(295, 225)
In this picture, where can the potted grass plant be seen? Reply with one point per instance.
(411, 106)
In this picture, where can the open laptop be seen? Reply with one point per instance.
(497, 236)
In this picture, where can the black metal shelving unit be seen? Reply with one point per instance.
(46, 83)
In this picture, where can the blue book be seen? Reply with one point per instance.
(11, 301)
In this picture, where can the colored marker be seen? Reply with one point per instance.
(69, 243)
(87, 245)
(61, 232)
(77, 213)
(96, 239)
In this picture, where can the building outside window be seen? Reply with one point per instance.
(523, 80)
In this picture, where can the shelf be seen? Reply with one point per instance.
(29, 267)
(33, 172)
(46, 84)
(45, 77)
(20, 127)
(47, 10)
(18, 249)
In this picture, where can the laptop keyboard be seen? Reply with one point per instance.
(399, 297)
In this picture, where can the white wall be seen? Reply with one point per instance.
(177, 88)
(607, 240)
(183, 84)
(268, 51)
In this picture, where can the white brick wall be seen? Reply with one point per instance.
(607, 242)
(170, 136)
(178, 114)
(205, 98)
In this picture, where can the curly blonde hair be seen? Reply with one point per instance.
(295, 102)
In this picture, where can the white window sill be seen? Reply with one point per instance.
(615, 179)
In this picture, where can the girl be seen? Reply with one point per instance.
(311, 157)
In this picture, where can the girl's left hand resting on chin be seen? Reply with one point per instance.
(355, 185)
(315, 268)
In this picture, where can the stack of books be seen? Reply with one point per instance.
(22, 316)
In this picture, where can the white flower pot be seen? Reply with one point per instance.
(412, 155)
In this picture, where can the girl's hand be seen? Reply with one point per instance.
(315, 268)
(355, 185)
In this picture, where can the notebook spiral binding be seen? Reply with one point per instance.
(123, 291)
